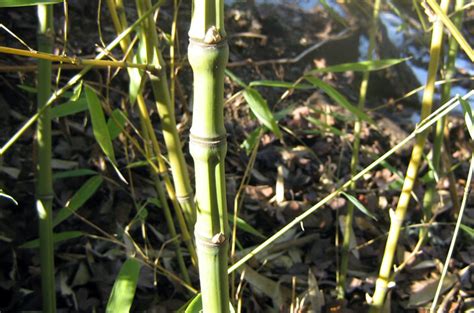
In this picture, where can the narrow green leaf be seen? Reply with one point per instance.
(235, 78)
(69, 108)
(4, 195)
(359, 205)
(467, 229)
(362, 66)
(260, 108)
(195, 305)
(99, 126)
(279, 84)
(123, 292)
(79, 198)
(74, 173)
(249, 143)
(339, 98)
(57, 238)
(28, 89)
(116, 123)
(246, 227)
(22, 3)
(324, 126)
(466, 107)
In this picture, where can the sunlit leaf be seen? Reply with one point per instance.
(246, 227)
(123, 292)
(359, 205)
(466, 107)
(324, 126)
(22, 3)
(4, 195)
(260, 108)
(99, 126)
(57, 238)
(339, 98)
(468, 230)
(362, 66)
(79, 198)
(279, 84)
(249, 143)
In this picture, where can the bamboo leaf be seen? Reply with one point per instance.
(260, 108)
(466, 107)
(362, 66)
(279, 84)
(69, 108)
(136, 76)
(339, 98)
(467, 229)
(116, 123)
(74, 173)
(4, 195)
(79, 198)
(99, 126)
(235, 78)
(324, 126)
(359, 205)
(123, 292)
(22, 3)
(57, 238)
(195, 306)
(249, 143)
(246, 227)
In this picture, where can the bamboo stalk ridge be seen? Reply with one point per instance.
(341, 284)
(381, 286)
(44, 175)
(208, 53)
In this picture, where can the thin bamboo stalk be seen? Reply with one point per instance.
(152, 147)
(381, 286)
(74, 80)
(44, 180)
(165, 106)
(208, 53)
(341, 284)
(450, 71)
(74, 60)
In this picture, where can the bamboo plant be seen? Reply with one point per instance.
(152, 148)
(397, 218)
(355, 155)
(208, 53)
(44, 181)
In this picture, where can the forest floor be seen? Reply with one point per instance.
(289, 175)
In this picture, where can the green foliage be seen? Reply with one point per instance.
(359, 205)
(123, 292)
(22, 3)
(79, 198)
(57, 238)
(363, 66)
(260, 108)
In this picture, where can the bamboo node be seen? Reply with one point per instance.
(212, 36)
(208, 142)
(218, 238)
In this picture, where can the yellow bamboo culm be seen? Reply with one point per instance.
(397, 218)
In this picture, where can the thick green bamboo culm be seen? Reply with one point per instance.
(166, 111)
(341, 283)
(44, 180)
(381, 286)
(152, 147)
(208, 53)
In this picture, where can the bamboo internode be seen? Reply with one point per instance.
(208, 53)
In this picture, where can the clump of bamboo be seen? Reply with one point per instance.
(398, 216)
(355, 155)
(44, 180)
(152, 147)
(208, 53)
